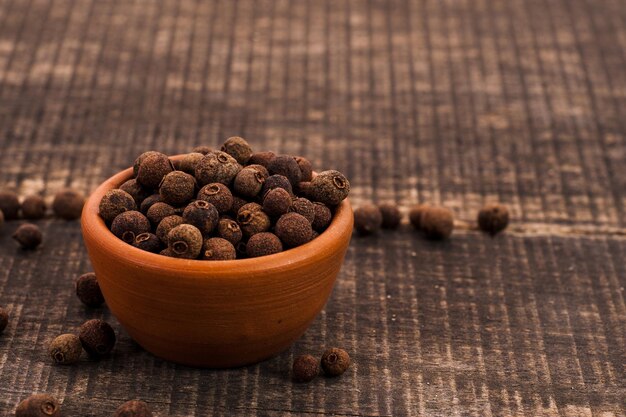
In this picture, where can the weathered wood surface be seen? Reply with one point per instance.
(457, 102)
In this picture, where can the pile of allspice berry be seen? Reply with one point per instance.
(223, 204)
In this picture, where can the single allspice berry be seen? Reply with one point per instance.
(304, 207)
(65, 349)
(229, 229)
(217, 166)
(158, 211)
(38, 405)
(68, 204)
(114, 203)
(133, 408)
(202, 149)
(437, 222)
(189, 162)
(415, 215)
(306, 168)
(493, 218)
(305, 368)
(177, 188)
(149, 202)
(252, 219)
(135, 190)
(248, 182)
(34, 207)
(277, 202)
(287, 166)
(88, 290)
(185, 241)
(335, 361)
(129, 224)
(261, 158)
(97, 338)
(153, 168)
(148, 242)
(238, 203)
(262, 244)
(166, 225)
(276, 181)
(367, 219)
(202, 215)
(238, 148)
(9, 204)
(293, 229)
(329, 187)
(218, 249)
(264, 172)
(140, 159)
(4, 319)
(391, 215)
(304, 190)
(28, 236)
(217, 194)
(323, 217)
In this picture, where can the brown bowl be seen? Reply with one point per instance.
(214, 313)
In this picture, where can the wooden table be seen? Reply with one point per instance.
(456, 102)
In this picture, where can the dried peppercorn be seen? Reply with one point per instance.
(493, 218)
(133, 408)
(28, 236)
(159, 211)
(153, 168)
(306, 168)
(88, 290)
(261, 158)
(129, 224)
(177, 188)
(38, 405)
(217, 166)
(264, 172)
(391, 215)
(33, 207)
(238, 203)
(114, 203)
(277, 202)
(68, 204)
(140, 159)
(305, 368)
(202, 215)
(335, 361)
(166, 225)
(135, 190)
(4, 319)
(304, 207)
(202, 149)
(437, 222)
(329, 187)
(276, 181)
(323, 217)
(149, 201)
(229, 229)
(262, 244)
(286, 166)
(65, 349)
(189, 162)
(238, 148)
(185, 241)
(367, 219)
(9, 204)
(217, 194)
(293, 229)
(97, 338)
(248, 182)
(415, 215)
(252, 219)
(218, 249)
(148, 242)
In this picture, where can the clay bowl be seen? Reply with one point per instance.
(214, 313)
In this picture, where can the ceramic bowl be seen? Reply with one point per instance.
(214, 313)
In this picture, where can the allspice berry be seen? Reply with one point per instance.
(34, 207)
(68, 204)
(133, 408)
(202, 149)
(277, 202)
(391, 215)
(493, 218)
(185, 241)
(261, 158)
(262, 244)
(305, 368)
(304, 207)
(306, 168)
(293, 229)
(166, 225)
(217, 166)
(88, 290)
(177, 188)
(367, 219)
(65, 349)
(9, 204)
(28, 236)
(437, 222)
(329, 187)
(149, 201)
(202, 215)
(97, 338)
(238, 148)
(38, 405)
(148, 242)
(415, 215)
(189, 162)
(135, 190)
(252, 219)
(217, 194)
(153, 168)
(129, 224)
(114, 203)
(287, 166)
(4, 319)
(229, 229)
(335, 361)
(264, 172)
(218, 249)
(323, 217)
(238, 203)
(248, 182)
(276, 181)
(140, 159)
(158, 211)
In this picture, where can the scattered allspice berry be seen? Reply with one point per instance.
(287, 166)
(97, 338)
(38, 405)
(34, 207)
(277, 202)
(262, 244)
(218, 249)
(177, 188)
(88, 290)
(28, 236)
(114, 203)
(305, 368)
(217, 194)
(129, 224)
(335, 361)
(135, 190)
(229, 229)
(202, 215)
(158, 211)
(9, 204)
(238, 148)
(437, 222)
(415, 215)
(217, 166)
(4, 319)
(133, 408)
(68, 204)
(493, 218)
(367, 219)
(65, 349)
(152, 168)
(391, 215)
(167, 224)
(148, 242)
(293, 229)
(185, 241)
(329, 187)
(248, 182)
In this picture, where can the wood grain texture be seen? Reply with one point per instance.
(456, 102)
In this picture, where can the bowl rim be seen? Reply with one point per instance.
(92, 224)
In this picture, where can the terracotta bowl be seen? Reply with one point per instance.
(214, 313)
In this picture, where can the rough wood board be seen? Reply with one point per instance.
(457, 102)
